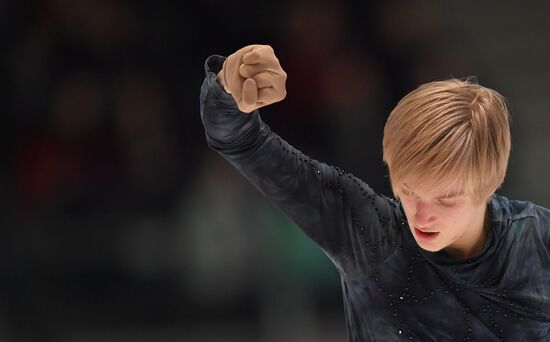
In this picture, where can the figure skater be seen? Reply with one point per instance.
(448, 259)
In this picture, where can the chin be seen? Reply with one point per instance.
(429, 248)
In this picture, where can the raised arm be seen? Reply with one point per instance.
(337, 210)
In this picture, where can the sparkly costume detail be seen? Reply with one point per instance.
(392, 289)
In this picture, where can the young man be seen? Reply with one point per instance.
(450, 260)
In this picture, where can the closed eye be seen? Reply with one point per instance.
(447, 204)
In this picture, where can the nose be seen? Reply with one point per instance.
(423, 215)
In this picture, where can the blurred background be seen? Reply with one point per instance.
(117, 221)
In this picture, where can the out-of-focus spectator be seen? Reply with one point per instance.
(146, 141)
(68, 165)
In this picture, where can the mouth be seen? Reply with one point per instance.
(425, 235)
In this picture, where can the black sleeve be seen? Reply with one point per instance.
(355, 227)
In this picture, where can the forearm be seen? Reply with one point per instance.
(336, 210)
(291, 180)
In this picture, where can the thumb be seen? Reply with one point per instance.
(249, 95)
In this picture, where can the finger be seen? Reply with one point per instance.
(247, 70)
(259, 54)
(242, 51)
(264, 80)
(269, 79)
(233, 81)
(270, 95)
(250, 93)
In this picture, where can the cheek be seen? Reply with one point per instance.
(455, 220)
(408, 207)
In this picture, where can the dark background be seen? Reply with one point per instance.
(119, 224)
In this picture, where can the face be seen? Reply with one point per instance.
(450, 220)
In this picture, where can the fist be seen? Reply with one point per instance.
(254, 77)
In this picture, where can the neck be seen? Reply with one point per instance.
(475, 242)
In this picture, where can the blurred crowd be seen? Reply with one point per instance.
(120, 224)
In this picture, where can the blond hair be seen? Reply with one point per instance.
(452, 131)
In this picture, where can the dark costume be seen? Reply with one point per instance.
(393, 290)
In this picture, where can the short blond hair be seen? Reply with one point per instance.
(449, 131)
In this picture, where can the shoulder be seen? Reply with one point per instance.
(514, 210)
(523, 217)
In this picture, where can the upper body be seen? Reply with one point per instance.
(395, 287)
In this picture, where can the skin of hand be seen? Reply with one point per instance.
(254, 77)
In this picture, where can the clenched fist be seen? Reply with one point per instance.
(254, 77)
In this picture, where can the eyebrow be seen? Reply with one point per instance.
(450, 195)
